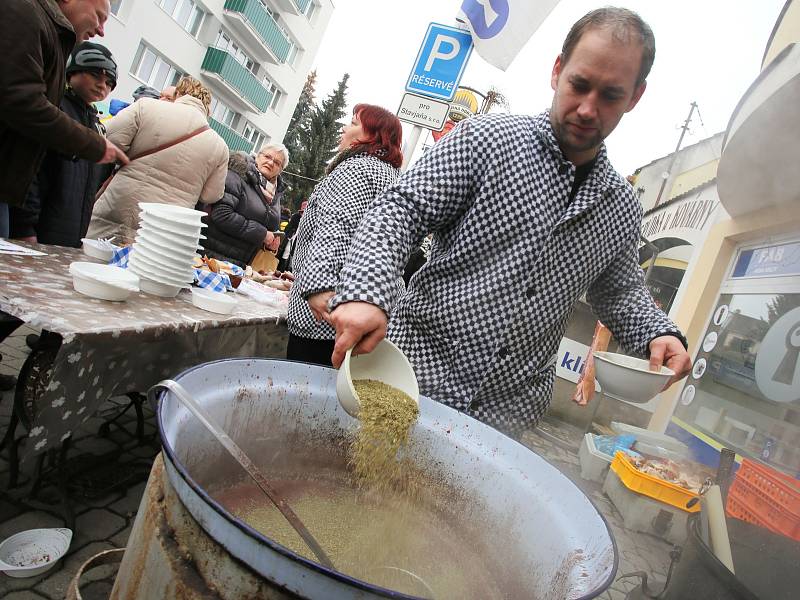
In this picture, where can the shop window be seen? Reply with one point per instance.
(744, 389)
(115, 6)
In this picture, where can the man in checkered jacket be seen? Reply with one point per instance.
(482, 328)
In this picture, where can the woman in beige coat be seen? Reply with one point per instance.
(192, 170)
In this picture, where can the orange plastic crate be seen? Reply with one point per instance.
(654, 487)
(767, 498)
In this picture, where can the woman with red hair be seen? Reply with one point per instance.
(368, 162)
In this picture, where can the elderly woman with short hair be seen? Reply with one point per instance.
(244, 220)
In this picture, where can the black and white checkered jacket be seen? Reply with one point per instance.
(332, 215)
(482, 328)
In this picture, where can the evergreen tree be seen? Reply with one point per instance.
(300, 117)
(317, 140)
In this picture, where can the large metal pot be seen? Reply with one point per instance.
(279, 410)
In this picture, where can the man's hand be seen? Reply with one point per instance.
(359, 325)
(667, 350)
(113, 154)
(319, 305)
(274, 244)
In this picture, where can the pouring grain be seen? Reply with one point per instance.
(386, 415)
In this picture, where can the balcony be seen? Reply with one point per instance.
(237, 83)
(250, 20)
(296, 7)
(235, 141)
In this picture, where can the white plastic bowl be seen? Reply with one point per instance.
(173, 226)
(159, 288)
(149, 223)
(173, 212)
(386, 363)
(159, 271)
(627, 378)
(181, 247)
(164, 259)
(100, 250)
(103, 281)
(217, 302)
(34, 551)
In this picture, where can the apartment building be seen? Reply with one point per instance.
(254, 56)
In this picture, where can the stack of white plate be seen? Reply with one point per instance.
(165, 248)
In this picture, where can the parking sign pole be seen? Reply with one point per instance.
(410, 144)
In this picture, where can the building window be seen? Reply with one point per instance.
(222, 113)
(311, 9)
(254, 136)
(224, 42)
(115, 6)
(294, 52)
(153, 69)
(186, 13)
(276, 100)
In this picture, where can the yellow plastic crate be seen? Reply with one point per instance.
(654, 487)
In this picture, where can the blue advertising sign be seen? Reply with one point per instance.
(440, 62)
(769, 261)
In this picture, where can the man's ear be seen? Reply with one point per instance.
(556, 72)
(636, 95)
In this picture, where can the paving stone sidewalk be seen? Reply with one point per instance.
(104, 522)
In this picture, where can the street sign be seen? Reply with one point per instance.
(422, 111)
(440, 62)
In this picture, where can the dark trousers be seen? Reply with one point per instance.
(317, 352)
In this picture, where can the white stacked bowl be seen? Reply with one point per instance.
(165, 248)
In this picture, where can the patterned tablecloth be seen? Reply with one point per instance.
(113, 348)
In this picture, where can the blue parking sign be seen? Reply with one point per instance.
(440, 62)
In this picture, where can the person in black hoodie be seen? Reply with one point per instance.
(245, 220)
(59, 202)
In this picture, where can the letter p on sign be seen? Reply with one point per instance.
(437, 52)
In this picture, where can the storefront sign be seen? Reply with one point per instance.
(769, 261)
(685, 215)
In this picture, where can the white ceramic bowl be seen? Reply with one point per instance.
(627, 378)
(100, 250)
(187, 229)
(34, 551)
(173, 212)
(160, 271)
(103, 281)
(159, 288)
(217, 302)
(180, 248)
(386, 363)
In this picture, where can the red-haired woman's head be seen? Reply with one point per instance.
(376, 131)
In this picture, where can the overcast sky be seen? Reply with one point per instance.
(708, 51)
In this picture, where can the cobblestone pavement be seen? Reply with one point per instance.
(103, 520)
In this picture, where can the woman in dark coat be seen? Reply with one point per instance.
(245, 219)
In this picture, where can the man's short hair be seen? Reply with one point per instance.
(623, 23)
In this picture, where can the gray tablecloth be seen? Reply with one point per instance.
(111, 348)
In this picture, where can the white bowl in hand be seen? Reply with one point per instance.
(627, 378)
(386, 363)
(34, 551)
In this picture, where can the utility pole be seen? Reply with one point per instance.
(668, 172)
